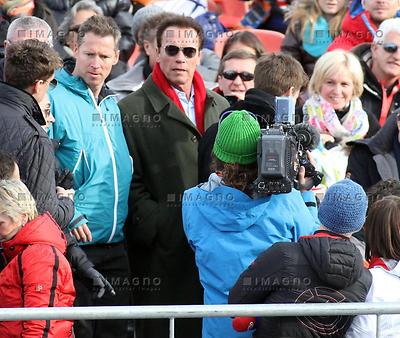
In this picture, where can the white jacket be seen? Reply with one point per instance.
(385, 288)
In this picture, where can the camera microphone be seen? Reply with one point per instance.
(307, 135)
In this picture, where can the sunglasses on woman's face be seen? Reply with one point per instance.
(390, 47)
(232, 75)
(172, 50)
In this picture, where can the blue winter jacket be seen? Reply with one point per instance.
(93, 147)
(227, 230)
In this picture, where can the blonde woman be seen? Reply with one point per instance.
(335, 109)
(313, 24)
(37, 274)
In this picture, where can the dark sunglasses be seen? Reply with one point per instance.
(172, 50)
(232, 75)
(390, 47)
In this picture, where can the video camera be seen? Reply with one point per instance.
(281, 150)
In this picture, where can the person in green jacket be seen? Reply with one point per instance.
(163, 122)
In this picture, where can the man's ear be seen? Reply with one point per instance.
(34, 89)
(6, 44)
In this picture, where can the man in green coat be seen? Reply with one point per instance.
(163, 122)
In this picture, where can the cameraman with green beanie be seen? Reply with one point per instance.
(227, 228)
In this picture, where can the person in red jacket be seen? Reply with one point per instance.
(362, 20)
(37, 273)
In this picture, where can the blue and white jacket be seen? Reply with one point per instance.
(93, 148)
(227, 230)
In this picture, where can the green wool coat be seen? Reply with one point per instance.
(163, 144)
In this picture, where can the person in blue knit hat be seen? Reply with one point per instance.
(227, 228)
(321, 268)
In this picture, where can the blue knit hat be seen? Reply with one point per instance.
(344, 207)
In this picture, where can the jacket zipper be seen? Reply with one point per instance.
(114, 165)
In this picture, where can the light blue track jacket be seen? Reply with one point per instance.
(227, 230)
(93, 148)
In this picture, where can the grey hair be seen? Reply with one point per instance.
(387, 26)
(82, 5)
(30, 27)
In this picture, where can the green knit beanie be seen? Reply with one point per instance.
(236, 140)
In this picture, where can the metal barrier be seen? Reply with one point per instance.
(197, 311)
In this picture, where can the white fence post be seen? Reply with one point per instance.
(172, 328)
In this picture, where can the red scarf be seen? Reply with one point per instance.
(377, 261)
(199, 94)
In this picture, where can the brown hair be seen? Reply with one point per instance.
(246, 38)
(29, 61)
(100, 25)
(238, 176)
(275, 73)
(236, 54)
(181, 22)
(383, 229)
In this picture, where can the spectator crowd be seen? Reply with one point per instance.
(131, 157)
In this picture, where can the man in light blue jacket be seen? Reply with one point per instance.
(227, 228)
(92, 146)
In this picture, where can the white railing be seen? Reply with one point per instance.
(197, 311)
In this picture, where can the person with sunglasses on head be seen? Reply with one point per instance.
(163, 122)
(236, 75)
(381, 65)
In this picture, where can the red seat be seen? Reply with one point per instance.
(271, 40)
(232, 12)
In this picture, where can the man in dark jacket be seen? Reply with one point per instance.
(29, 71)
(376, 158)
(163, 122)
(381, 65)
(275, 75)
(324, 267)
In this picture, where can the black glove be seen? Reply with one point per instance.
(99, 284)
(85, 269)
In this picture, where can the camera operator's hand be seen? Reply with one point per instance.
(305, 183)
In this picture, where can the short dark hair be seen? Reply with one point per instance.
(383, 229)
(99, 25)
(180, 21)
(29, 61)
(275, 73)
(235, 54)
(7, 165)
(246, 38)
